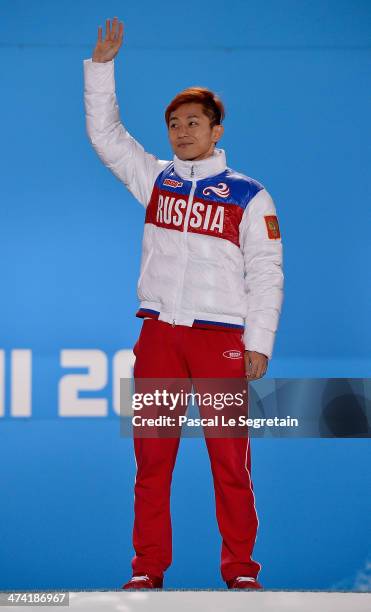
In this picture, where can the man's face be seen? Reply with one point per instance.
(190, 134)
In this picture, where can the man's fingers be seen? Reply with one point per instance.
(107, 29)
(99, 33)
(119, 32)
(114, 28)
(115, 32)
(253, 370)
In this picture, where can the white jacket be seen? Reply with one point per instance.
(212, 249)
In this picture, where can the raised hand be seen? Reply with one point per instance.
(105, 50)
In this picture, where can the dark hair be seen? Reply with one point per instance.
(213, 107)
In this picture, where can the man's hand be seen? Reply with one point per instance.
(106, 49)
(255, 365)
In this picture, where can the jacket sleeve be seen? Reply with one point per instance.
(117, 149)
(261, 245)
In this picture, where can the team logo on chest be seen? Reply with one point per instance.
(207, 215)
(171, 212)
(222, 190)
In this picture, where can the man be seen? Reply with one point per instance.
(210, 290)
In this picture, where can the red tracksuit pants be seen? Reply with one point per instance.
(180, 351)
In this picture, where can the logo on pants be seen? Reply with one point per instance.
(232, 354)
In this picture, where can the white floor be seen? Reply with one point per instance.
(218, 601)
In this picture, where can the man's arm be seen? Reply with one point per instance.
(118, 150)
(261, 245)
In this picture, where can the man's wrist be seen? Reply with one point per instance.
(98, 61)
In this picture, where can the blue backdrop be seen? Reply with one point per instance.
(295, 77)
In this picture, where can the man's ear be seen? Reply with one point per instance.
(218, 132)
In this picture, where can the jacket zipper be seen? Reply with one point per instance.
(186, 219)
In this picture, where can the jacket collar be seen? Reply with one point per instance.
(202, 168)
